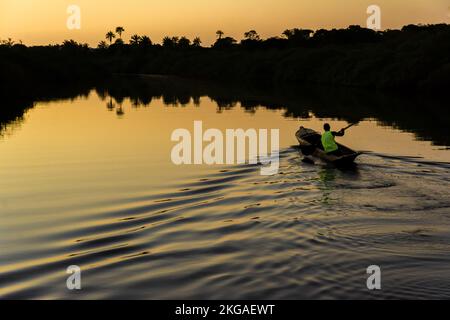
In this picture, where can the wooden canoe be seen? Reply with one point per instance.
(311, 145)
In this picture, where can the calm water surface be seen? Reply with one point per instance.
(88, 181)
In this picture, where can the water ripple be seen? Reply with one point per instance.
(308, 232)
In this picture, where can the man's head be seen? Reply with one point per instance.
(327, 127)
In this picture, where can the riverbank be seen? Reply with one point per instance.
(414, 58)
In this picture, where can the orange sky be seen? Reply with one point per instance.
(44, 21)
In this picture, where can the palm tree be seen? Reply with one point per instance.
(102, 45)
(119, 31)
(135, 39)
(169, 42)
(110, 36)
(219, 34)
(197, 42)
(145, 41)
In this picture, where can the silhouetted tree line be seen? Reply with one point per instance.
(417, 56)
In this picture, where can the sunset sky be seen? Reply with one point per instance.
(44, 21)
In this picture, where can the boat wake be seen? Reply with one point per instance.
(309, 232)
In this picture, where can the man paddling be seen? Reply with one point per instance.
(328, 142)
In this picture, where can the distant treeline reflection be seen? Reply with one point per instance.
(13, 106)
(426, 116)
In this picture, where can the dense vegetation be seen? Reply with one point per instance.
(414, 57)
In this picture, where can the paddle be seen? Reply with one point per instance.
(346, 128)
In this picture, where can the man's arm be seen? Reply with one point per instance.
(339, 134)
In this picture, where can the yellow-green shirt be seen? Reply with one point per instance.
(328, 142)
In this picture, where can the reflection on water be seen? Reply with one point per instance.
(81, 185)
(327, 176)
(426, 116)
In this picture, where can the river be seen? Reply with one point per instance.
(88, 180)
